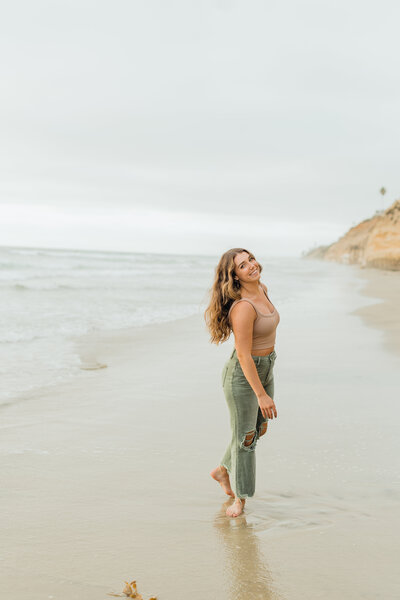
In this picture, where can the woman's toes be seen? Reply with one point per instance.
(235, 509)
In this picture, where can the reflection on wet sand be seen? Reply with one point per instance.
(245, 567)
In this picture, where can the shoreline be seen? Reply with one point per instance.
(95, 350)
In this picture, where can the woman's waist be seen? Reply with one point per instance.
(258, 353)
(262, 352)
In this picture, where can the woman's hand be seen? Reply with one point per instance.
(267, 406)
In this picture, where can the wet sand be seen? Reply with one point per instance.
(384, 286)
(106, 479)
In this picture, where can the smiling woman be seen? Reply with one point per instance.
(240, 303)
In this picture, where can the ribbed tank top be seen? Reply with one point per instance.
(264, 328)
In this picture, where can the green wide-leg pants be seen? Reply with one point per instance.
(246, 418)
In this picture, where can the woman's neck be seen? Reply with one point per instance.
(249, 290)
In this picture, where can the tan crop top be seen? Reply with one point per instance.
(264, 328)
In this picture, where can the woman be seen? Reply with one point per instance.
(240, 303)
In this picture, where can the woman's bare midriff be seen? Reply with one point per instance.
(262, 352)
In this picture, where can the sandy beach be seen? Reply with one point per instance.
(106, 478)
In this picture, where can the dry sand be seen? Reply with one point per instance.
(106, 478)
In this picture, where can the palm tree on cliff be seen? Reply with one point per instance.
(382, 191)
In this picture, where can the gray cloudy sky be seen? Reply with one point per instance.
(186, 126)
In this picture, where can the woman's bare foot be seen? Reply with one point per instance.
(221, 475)
(236, 509)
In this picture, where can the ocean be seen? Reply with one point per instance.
(51, 297)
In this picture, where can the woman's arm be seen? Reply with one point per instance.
(242, 317)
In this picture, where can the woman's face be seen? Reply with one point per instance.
(246, 267)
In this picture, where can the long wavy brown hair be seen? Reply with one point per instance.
(224, 291)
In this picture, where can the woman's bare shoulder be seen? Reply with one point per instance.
(242, 309)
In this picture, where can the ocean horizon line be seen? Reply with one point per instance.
(130, 252)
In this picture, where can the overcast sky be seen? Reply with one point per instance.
(190, 127)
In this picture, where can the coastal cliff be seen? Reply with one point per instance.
(374, 242)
